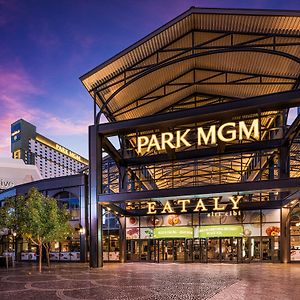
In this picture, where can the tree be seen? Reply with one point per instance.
(37, 218)
(11, 215)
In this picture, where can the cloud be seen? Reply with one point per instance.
(64, 127)
(17, 91)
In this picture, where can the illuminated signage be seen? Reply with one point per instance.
(15, 133)
(220, 231)
(67, 152)
(61, 149)
(226, 132)
(6, 183)
(200, 205)
(173, 232)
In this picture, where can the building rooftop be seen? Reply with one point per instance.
(203, 55)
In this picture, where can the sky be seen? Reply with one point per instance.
(46, 45)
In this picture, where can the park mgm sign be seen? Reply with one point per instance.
(227, 132)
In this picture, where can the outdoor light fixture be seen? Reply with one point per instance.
(80, 229)
(298, 224)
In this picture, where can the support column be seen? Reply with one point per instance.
(284, 172)
(271, 176)
(123, 182)
(122, 239)
(95, 188)
(83, 221)
(285, 236)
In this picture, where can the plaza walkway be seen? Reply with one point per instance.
(152, 281)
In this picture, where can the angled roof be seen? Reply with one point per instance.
(201, 57)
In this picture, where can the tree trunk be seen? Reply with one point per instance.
(47, 255)
(40, 256)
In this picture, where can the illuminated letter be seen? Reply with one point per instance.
(235, 202)
(200, 206)
(211, 134)
(142, 141)
(243, 129)
(181, 138)
(151, 208)
(232, 132)
(166, 138)
(153, 143)
(167, 207)
(183, 202)
(217, 207)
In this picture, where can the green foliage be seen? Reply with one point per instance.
(12, 213)
(36, 217)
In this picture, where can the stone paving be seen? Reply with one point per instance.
(152, 281)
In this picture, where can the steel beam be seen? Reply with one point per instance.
(278, 185)
(202, 153)
(293, 131)
(112, 151)
(211, 112)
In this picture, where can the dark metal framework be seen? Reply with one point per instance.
(198, 77)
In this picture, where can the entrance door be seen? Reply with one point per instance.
(267, 248)
(229, 249)
(179, 250)
(203, 250)
(196, 250)
(174, 250)
(189, 250)
(133, 250)
(251, 249)
(147, 250)
(164, 248)
(213, 250)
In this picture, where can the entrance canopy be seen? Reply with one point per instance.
(203, 56)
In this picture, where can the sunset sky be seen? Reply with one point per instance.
(45, 46)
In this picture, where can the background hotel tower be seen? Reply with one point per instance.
(52, 159)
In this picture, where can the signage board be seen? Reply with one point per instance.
(15, 133)
(221, 231)
(6, 183)
(173, 232)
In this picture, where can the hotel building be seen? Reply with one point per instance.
(208, 169)
(51, 158)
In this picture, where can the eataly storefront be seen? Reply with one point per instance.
(197, 161)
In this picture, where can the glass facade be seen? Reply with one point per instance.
(295, 234)
(248, 236)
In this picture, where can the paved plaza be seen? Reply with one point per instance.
(152, 281)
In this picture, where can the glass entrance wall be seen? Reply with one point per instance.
(295, 234)
(219, 237)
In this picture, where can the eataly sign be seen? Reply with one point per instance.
(200, 206)
(227, 132)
